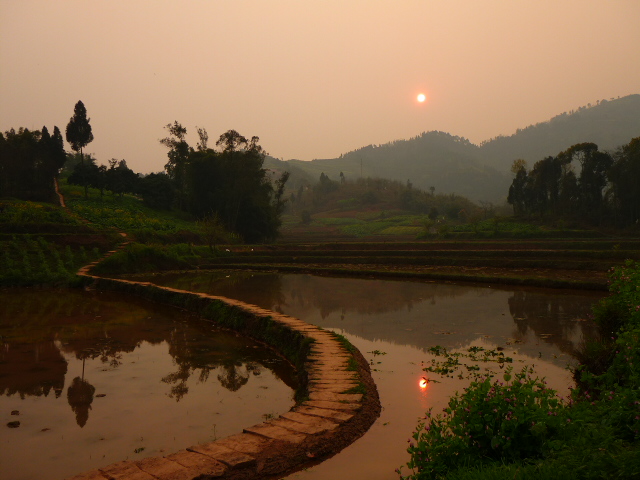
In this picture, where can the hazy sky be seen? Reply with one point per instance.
(312, 79)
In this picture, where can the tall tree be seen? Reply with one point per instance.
(593, 177)
(203, 143)
(624, 175)
(79, 133)
(517, 191)
(179, 151)
(232, 184)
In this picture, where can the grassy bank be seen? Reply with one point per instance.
(515, 427)
(43, 244)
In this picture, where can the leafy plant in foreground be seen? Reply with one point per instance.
(490, 421)
(518, 429)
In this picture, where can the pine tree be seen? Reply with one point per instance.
(79, 133)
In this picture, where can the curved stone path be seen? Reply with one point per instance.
(327, 421)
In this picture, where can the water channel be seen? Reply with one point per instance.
(88, 379)
(394, 323)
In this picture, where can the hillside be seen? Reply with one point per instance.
(452, 164)
(608, 124)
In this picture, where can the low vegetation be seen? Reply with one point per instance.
(129, 214)
(44, 244)
(516, 427)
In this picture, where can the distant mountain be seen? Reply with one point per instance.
(608, 124)
(452, 164)
(433, 159)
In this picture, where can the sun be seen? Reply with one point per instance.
(421, 97)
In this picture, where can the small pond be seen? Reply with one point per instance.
(95, 378)
(394, 323)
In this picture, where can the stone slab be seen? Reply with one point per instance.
(320, 348)
(231, 458)
(92, 475)
(336, 397)
(334, 376)
(277, 433)
(327, 387)
(310, 420)
(198, 464)
(246, 443)
(342, 382)
(328, 358)
(333, 405)
(334, 415)
(125, 470)
(164, 469)
(326, 366)
(305, 428)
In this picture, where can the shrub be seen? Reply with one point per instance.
(518, 429)
(139, 258)
(489, 421)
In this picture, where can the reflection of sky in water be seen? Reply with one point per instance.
(96, 377)
(403, 319)
(421, 314)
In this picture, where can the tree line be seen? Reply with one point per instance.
(228, 185)
(227, 188)
(29, 162)
(581, 183)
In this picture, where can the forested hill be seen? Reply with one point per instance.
(434, 159)
(452, 164)
(608, 124)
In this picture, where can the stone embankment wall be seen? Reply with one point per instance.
(336, 404)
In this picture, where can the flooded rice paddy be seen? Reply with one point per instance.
(88, 379)
(394, 323)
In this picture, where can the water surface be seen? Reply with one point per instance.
(95, 378)
(394, 323)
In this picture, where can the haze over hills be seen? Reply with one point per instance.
(453, 164)
(609, 124)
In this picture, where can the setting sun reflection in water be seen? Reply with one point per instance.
(423, 383)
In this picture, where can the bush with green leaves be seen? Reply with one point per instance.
(519, 429)
(492, 420)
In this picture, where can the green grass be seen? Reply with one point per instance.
(401, 230)
(390, 223)
(18, 216)
(28, 260)
(44, 244)
(129, 214)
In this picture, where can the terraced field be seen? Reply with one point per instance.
(566, 263)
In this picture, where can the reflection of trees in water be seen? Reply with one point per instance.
(552, 318)
(263, 289)
(90, 326)
(80, 397)
(353, 300)
(232, 378)
(329, 295)
(326, 294)
(31, 369)
(201, 354)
